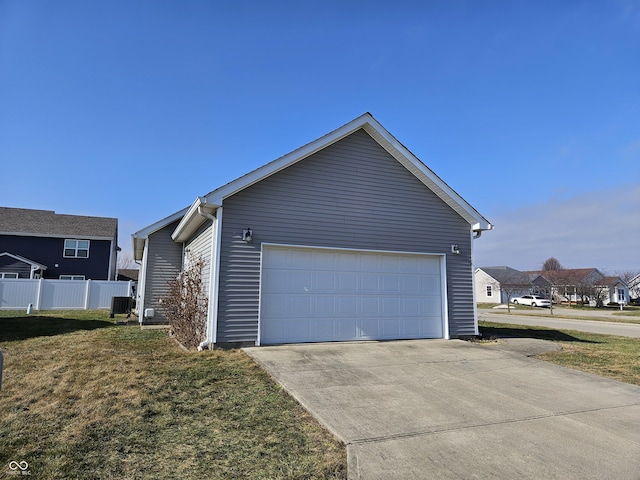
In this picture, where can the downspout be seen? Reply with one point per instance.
(205, 344)
(473, 283)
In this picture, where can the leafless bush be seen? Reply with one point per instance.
(186, 305)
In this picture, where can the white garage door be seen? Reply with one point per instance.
(319, 295)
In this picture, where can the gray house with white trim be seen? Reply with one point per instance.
(350, 237)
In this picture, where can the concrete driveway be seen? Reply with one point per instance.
(449, 409)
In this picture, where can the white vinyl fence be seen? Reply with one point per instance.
(41, 294)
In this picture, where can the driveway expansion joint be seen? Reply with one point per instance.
(428, 432)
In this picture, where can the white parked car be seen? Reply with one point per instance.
(532, 300)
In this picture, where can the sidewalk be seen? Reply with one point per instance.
(562, 320)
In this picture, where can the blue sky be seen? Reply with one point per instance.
(529, 109)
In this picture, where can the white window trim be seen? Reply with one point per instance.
(71, 277)
(489, 292)
(11, 275)
(76, 249)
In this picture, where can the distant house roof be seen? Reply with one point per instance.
(507, 275)
(568, 275)
(128, 274)
(47, 223)
(612, 281)
(34, 265)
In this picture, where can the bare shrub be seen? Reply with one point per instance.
(186, 305)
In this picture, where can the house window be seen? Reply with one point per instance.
(489, 291)
(621, 296)
(71, 277)
(8, 275)
(76, 248)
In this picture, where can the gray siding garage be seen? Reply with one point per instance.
(352, 238)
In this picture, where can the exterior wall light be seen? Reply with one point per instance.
(247, 235)
(455, 249)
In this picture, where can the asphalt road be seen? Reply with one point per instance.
(542, 318)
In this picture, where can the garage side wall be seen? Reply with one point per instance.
(163, 264)
(200, 247)
(352, 194)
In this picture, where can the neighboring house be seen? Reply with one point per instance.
(634, 287)
(15, 266)
(615, 290)
(499, 284)
(350, 237)
(44, 244)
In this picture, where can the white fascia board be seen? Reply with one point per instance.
(218, 195)
(192, 219)
(426, 176)
(24, 260)
(366, 121)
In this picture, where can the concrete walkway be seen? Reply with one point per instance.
(448, 409)
(541, 318)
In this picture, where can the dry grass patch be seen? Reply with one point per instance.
(605, 355)
(119, 402)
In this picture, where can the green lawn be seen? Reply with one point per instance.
(605, 355)
(83, 398)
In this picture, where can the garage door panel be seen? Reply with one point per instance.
(347, 306)
(430, 285)
(325, 305)
(300, 306)
(324, 282)
(410, 284)
(325, 295)
(391, 327)
(275, 281)
(390, 306)
(369, 306)
(388, 264)
(431, 307)
(347, 261)
(369, 283)
(412, 327)
(301, 328)
(347, 282)
(389, 283)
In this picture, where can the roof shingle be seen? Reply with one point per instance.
(22, 221)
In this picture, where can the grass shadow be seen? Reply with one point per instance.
(527, 332)
(22, 328)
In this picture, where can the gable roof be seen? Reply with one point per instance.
(568, 275)
(612, 281)
(34, 265)
(140, 237)
(47, 223)
(507, 275)
(214, 199)
(128, 274)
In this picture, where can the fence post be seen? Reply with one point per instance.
(87, 293)
(39, 294)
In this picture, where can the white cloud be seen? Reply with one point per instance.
(599, 229)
